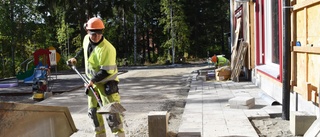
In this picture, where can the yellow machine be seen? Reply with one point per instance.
(40, 83)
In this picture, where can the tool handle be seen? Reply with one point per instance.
(83, 78)
(96, 96)
(91, 88)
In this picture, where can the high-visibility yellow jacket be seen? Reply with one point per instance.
(222, 61)
(103, 57)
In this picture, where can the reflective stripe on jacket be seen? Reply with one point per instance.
(103, 57)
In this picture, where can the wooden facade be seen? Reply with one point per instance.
(305, 58)
(305, 45)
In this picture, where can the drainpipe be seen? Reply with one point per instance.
(286, 67)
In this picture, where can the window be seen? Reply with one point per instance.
(272, 32)
(268, 37)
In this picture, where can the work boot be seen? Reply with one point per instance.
(100, 131)
(100, 135)
(120, 134)
(118, 129)
(113, 121)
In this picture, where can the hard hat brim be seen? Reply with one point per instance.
(95, 32)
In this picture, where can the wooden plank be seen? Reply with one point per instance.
(300, 29)
(313, 69)
(311, 50)
(305, 91)
(304, 59)
(158, 123)
(309, 90)
(314, 88)
(294, 68)
(235, 43)
(246, 31)
(314, 94)
(235, 62)
(313, 25)
(318, 91)
(292, 46)
(302, 91)
(241, 56)
(293, 2)
(294, 28)
(307, 66)
(252, 35)
(301, 78)
(299, 90)
(293, 83)
(304, 4)
(306, 25)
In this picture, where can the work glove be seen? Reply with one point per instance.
(72, 62)
(86, 90)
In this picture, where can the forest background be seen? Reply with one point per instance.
(143, 31)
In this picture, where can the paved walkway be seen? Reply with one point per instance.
(207, 112)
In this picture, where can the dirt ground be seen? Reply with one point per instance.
(164, 89)
(154, 90)
(272, 127)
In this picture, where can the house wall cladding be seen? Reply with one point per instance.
(305, 74)
(305, 59)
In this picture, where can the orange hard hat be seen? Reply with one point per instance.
(94, 24)
(214, 59)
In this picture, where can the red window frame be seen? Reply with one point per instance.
(259, 12)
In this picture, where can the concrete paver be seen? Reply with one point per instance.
(208, 111)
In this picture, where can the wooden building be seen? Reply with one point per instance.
(259, 23)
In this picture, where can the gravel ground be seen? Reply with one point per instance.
(273, 127)
(154, 90)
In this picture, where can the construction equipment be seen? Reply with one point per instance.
(40, 83)
(110, 108)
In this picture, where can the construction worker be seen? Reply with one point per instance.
(220, 61)
(101, 70)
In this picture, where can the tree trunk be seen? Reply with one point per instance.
(148, 46)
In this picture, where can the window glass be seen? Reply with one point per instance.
(275, 32)
(272, 32)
